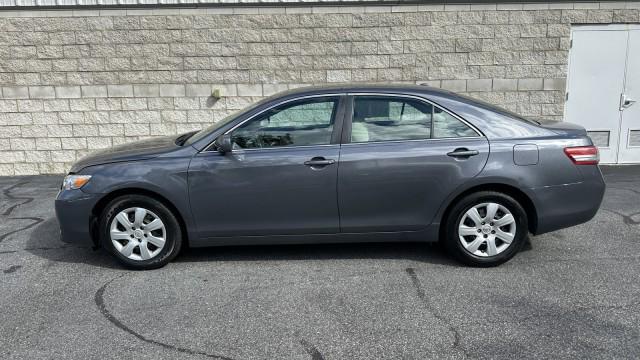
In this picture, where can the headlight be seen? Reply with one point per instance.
(72, 182)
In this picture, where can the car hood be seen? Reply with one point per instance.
(137, 150)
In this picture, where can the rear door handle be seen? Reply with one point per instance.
(463, 153)
(319, 162)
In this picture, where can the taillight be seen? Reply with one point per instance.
(583, 155)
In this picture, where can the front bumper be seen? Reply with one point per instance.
(566, 205)
(74, 213)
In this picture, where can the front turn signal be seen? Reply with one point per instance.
(72, 182)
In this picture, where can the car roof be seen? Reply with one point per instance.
(382, 88)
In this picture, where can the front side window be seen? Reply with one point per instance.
(300, 123)
(378, 118)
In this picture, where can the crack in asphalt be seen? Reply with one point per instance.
(12, 268)
(99, 299)
(36, 221)
(624, 188)
(627, 219)
(311, 350)
(25, 200)
(457, 339)
(7, 192)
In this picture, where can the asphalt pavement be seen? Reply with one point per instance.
(573, 293)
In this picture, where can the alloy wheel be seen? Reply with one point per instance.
(138, 233)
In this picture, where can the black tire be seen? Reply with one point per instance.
(453, 243)
(173, 237)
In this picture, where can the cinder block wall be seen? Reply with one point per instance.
(76, 81)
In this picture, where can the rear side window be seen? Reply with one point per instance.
(447, 126)
(385, 119)
(379, 118)
(301, 123)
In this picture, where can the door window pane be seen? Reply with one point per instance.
(305, 122)
(385, 119)
(447, 126)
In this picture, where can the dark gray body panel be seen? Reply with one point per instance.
(135, 151)
(401, 185)
(264, 192)
(374, 192)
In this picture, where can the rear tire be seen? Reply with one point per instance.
(140, 231)
(485, 229)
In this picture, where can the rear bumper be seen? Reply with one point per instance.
(566, 205)
(74, 213)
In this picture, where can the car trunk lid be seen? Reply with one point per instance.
(565, 128)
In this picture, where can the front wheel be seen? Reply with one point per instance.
(485, 229)
(140, 231)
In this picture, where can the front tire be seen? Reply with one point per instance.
(485, 229)
(140, 231)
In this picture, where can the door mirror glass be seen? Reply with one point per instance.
(223, 143)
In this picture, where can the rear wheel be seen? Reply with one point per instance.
(486, 229)
(140, 231)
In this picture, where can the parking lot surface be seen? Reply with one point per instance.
(573, 293)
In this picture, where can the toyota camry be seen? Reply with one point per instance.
(338, 164)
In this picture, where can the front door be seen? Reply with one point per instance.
(603, 82)
(280, 179)
(400, 158)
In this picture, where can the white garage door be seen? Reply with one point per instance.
(603, 82)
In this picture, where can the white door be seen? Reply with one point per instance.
(630, 126)
(604, 69)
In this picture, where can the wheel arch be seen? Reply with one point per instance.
(520, 196)
(99, 207)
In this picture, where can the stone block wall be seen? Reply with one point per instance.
(74, 81)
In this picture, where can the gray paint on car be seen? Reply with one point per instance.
(396, 190)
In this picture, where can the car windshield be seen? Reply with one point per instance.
(218, 124)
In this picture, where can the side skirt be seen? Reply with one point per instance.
(427, 235)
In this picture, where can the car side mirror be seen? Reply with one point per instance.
(223, 143)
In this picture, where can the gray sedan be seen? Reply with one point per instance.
(338, 164)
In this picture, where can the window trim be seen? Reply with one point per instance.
(346, 132)
(338, 122)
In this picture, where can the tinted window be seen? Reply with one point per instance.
(447, 126)
(391, 118)
(305, 122)
(384, 119)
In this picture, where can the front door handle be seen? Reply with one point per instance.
(463, 153)
(319, 161)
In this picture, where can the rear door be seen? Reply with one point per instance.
(401, 157)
